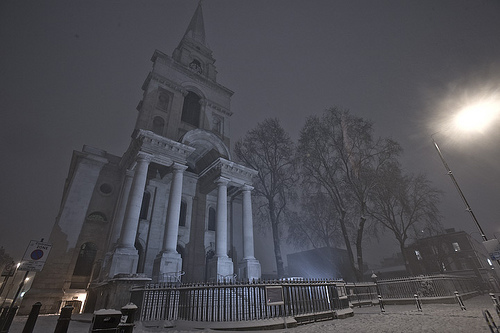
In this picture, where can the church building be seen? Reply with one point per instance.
(173, 208)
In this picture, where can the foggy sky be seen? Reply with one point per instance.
(71, 74)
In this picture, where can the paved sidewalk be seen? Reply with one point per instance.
(439, 318)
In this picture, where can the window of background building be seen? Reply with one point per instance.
(419, 256)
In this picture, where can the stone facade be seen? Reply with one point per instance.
(173, 208)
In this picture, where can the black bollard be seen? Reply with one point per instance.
(128, 315)
(30, 323)
(8, 320)
(418, 302)
(489, 320)
(381, 303)
(3, 316)
(64, 319)
(460, 301)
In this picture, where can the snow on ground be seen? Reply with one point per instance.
(439, 318)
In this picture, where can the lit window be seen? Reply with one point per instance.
(419, 256)
(456, 247)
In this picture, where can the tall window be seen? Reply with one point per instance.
(145, 206)
(85, 260)
(158, 125)
(163, 99)
(182, 215)
(211, 219)
(191, 109)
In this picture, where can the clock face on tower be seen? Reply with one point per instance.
(195, 65)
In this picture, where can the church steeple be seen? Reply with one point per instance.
(196, 28)
(193, 50)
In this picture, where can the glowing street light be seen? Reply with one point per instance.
(477, 117)
(472, 118)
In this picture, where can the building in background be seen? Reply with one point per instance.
(388, 268)
(174, 207)
(454, 252)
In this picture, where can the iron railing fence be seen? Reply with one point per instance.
(427, 286)
(431, 286)
(361, 293)
(239, 301)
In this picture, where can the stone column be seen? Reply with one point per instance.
(249, 267)
(248, 246)
(167, 265)
(174, 208)
(221, 219)
(120, 211)
(125, 256)
(133, 211)
(220, 268)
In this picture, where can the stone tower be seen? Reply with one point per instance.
(172, 208)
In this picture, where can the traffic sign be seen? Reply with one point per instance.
(9, 269)
(493, 248)
(35, 256)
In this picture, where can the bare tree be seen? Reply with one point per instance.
(339, 153)
(269, 149)
(316, 224)
(405, 205)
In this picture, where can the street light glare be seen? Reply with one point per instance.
(477, 117)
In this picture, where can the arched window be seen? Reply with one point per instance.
(191, 109)
(145, 206)
(163, 99)
(97, 216)
(182, 215)
(158, 125)
(85, 260)
(211, 219)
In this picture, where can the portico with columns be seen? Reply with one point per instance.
(224, 176)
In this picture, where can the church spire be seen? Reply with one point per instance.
(196, 28)
(193, 50)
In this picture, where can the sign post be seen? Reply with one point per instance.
(35, 256)
(274, 296)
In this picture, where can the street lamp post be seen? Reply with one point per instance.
(467, 206)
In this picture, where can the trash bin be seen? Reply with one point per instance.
(105, 321)
(128, 316)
